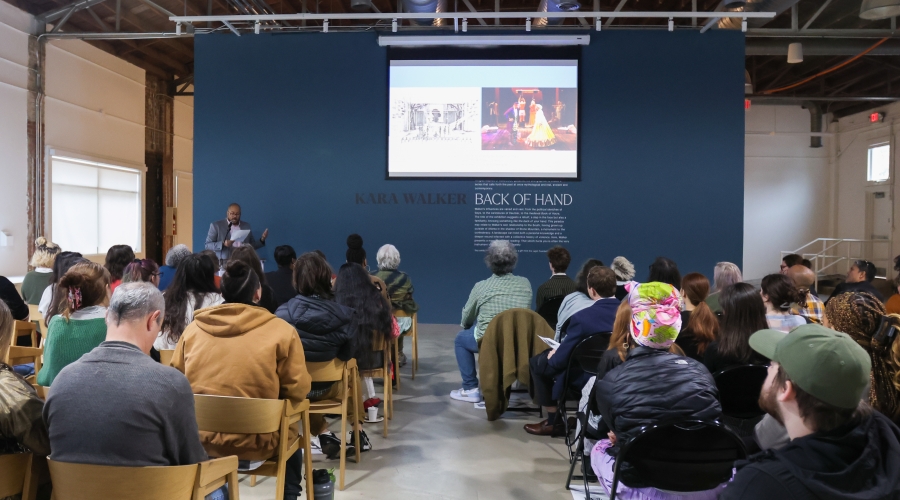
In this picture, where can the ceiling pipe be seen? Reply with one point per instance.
(555, 6)
(424, 7)
(815, 123)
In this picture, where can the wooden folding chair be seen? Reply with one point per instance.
(165, 356)
(231, 415)
(346, 373)
(18, 475)
(21, 355)
(37, 317)
(181, 482)
(384, 373)
(414, 335)
(27, 329)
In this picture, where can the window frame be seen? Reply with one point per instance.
(101, 162)
(877, 144)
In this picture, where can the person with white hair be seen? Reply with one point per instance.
(725, 274)
(399, 289)
(116, 406)
(624, 270)
(174, 257)
(502, 291)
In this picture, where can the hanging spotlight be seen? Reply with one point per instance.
(325, 26)
(795, 53)
(394, 25)
(465, 25)
(256, 27)
(177, 28)
(599, 24)
(879, 9)
(671, 24)
(744, 25)
(528, 24)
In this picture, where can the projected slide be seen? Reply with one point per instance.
(514, 118)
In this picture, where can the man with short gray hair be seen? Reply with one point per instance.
(502, 291)
(115, 405)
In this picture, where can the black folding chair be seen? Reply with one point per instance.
(685, 456)
(549, 310)
(739, 387)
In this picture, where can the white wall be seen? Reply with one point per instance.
(786, 186)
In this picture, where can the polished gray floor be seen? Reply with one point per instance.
(438, 448)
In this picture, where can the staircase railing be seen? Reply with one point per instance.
(826, 254)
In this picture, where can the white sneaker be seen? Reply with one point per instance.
(471, 396)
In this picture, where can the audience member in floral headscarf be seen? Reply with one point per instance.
(861, 316)
(652, 385)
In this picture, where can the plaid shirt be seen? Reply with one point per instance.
(813, 309)
(493, 296)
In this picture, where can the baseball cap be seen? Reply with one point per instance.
(826, 364)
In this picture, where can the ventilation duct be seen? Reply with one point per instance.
(748, 84)
(815, 123)
(426, 7)
(361, 5)
(555, 6)
(734, 23)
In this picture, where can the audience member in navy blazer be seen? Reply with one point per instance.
(548, 368)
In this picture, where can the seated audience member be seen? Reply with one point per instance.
(174, 257)
(652, 385)
(50, 300)
(743, 313)
(117, 258)
(141, 270)
(502, 291)
(576, 300)
(778, 293)
(724, 274)
(280, 279)
(892, 306)
(22, 428)
(239, 349)
(665, 270)
(559, 284)
(356, 254)
(806, 263)
(116, 406)
(13, 300)
(809, 307)
(859, 279)
(548, 369)
(839, 447)
(624, 270)
(247, 255)
(371, 325)
(861, 316)
(400, 290)
(789, 261)
(38, 280)
(192, 288)
(81, 324)
(211, 255)
(699, 326)
(325, 331)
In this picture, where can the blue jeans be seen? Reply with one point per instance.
(466, 347)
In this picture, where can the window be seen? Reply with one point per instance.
(95, 205)
(879, 162)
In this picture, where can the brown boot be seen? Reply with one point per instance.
(540, 429)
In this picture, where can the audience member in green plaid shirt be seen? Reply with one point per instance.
(490, 297)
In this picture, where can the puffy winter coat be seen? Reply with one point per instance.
(654, 386)
(323, 325)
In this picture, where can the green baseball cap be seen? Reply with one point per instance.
(826, 364)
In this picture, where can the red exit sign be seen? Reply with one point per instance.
(876, 117)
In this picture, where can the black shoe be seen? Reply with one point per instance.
(364, 442)
(331, 446)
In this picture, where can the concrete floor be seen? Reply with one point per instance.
(438, 448)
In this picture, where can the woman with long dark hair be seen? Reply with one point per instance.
(665, 270)
(117, 258)
(700, 326)
(743, 315)
(192, 288)
(141, 270)
(247, 255)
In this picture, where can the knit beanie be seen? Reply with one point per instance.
(355, 251)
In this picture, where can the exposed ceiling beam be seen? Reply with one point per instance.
(617, 9)
(815, 15)
(473, 9)
(53, 15)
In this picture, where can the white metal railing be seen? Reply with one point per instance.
(826, 254)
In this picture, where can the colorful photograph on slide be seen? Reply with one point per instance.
(529, 118)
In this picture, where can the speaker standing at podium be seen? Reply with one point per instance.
(220, 237)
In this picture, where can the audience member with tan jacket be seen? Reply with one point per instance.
(240, 349)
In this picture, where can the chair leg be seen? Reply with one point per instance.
(343, 462)
(397, 362)
(279, 478)
(356, 426)
(234, 489)
(253, 480)
(415, 347)
(575, 458)
(307, 455)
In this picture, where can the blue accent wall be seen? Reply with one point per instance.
(293, 127)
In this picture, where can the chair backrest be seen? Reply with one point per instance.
(690, 455)
(588, 352)
(549, 310)
(233, 415)
(739, 388)
(12, 477)
(27, 329)
(400, 313)
(326, 371)
(37, 317)
(165, 356)
(92, 482)
(20, 355)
